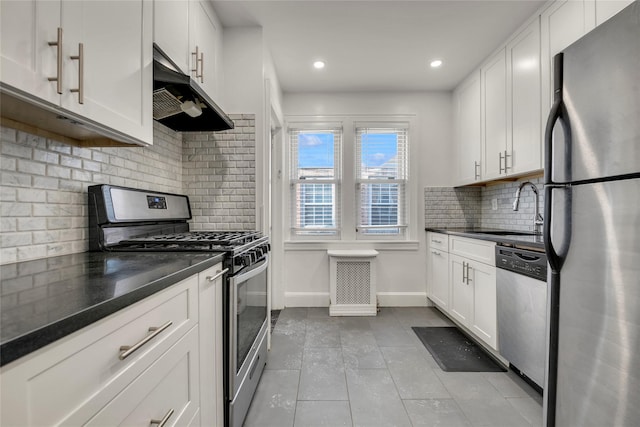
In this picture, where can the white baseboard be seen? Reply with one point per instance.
(385, 299)
(306, 299)
(402, 299)
(353, 310)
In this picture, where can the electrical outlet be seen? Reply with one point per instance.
(494, 204)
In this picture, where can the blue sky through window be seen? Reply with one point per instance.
(315, 150)
(378, 148)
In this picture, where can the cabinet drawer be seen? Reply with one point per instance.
(73, 378)
(169, 388)
(438, 241)
(478, 250)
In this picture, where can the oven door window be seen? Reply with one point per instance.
(251, 313)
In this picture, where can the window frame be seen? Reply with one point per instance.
(401, 182)
(346, 190)
(322, 233)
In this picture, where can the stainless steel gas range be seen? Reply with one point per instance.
(126, 219)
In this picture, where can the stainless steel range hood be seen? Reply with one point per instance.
(179, 103)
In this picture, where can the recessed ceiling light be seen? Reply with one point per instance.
(436, 63)
(318, 64)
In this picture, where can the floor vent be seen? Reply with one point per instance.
(352, 282)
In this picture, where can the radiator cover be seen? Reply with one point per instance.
(352, 276)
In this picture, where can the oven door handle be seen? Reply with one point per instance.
(255, 270)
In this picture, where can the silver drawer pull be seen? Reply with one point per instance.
(436, 253)
(164, 419)
(218, 274)
(436, 241)
(129, 350)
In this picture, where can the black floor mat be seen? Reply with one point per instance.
(454, 352)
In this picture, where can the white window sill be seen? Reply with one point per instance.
(318, 245)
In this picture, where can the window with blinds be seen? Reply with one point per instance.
(382, 176)
(315, 180)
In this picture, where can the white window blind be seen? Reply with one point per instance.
(382, 175)
(315, 180)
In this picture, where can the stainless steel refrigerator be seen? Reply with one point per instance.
(592, 229)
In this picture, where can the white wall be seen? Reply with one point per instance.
(401, 269)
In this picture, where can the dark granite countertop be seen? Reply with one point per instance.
(46, 299)
(533, 242)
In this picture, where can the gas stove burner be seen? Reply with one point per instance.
(220, 238)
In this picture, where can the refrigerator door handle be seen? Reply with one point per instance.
(558, 114)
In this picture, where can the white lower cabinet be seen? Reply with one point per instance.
(210, 284)
(168, 390)
(438, 270)
(472, 302)
(87, 377)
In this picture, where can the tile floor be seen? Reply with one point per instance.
(374, 371)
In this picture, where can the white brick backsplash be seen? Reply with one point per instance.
(44, 184)
(16, 150)
(8, 240)
(45, 156)
(8, 163)
(13, 210)
(15, 179)
(8, 225)
(29, 224)
(30, 167)
(70, 162)
(32, 252)
(47, 236)
(58, 172)
(472, 206)
(8, 255)
(31, 195)
(8, 194)
(84, 153)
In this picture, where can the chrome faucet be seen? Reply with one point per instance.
(537, 219)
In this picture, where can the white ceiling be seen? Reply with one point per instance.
(377, 45)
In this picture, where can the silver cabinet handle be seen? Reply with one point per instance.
(218, 274)
(468, 275)
(505, 161)
(500, 162)
(164, 419)
(201, 61)
(127, 350)
(476, 174)
(194, 56)
(436, 241)
(464, 272)
(80, 58)
(198, 59)
(436, 253)
(58, 77)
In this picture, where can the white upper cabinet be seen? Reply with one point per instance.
(114, 73)
(605, 9)
(187, 31)
(92, 59)
(467, 129)
(562, 23)
(203, 41)
(523, 102)
(495, 152)
(27, 60)
(171, 31)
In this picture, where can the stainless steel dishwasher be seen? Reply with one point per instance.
(522, 310)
